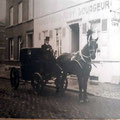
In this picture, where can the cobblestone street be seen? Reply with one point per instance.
(23, 103)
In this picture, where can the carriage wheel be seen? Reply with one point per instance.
(37, 82)
(14, 78)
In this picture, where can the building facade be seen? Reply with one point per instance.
(2, 30)
(19, 27)
(67, 23)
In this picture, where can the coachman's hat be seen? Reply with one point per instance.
(47, 38)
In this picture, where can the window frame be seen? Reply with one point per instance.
(20, 12)
(29, 43)
(30, 9)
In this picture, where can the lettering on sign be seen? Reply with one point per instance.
(86, 9)
(94, 8)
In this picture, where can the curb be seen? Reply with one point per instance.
(71, 90)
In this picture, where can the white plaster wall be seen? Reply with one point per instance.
(107, 72)
(48, 19)
(61, 19)
(114, 44)
(45, 7)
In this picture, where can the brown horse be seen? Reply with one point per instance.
(79, 64)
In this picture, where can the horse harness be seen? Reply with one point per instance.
(82, 66)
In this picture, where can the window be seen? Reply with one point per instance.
(58, 41)
(95, 24)
(11, 16)
(18, 47)
(30, 16)
(11, 50)
(104, 25)
(20, 12)
(45, 33)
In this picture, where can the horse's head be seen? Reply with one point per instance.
(92, 46)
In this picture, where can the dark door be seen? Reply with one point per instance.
(75, 37)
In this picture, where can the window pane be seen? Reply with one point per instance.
(104, 25)
(11, 16)
(30, 9)
(29, 42)
(51, 33)
(20, 13)
(45, 33)
(11, 49)
(84, 28)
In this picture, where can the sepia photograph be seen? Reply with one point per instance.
(60, 59)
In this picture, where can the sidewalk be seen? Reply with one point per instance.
(101, 89)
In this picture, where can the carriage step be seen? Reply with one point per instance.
(73, 77)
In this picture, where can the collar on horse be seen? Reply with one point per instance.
(82, 58)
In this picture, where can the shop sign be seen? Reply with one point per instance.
(96, 7)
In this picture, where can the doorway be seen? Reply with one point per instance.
(74, 37)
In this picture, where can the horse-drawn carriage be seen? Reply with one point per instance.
(38, 67)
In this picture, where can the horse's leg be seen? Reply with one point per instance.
(58, 81)
(62, 81)
(80, 83)
(85, 80)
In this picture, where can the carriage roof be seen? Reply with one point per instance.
(31, 55)
(28, 55)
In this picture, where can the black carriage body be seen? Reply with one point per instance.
(31, 61)
(37, 66)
